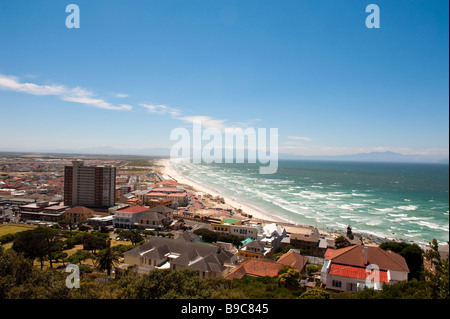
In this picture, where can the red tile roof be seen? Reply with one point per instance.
(178, 195)
(80, 210)
(163, 189)
(293, 259)
(255, 267)
(156, 194)
(354, 256)
(132, 209)
(168, 182)
(357, 273)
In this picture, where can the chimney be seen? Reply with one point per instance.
(365, 254)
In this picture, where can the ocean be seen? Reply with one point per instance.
(408, 202)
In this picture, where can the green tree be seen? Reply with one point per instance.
(79, 256)
(39, 243)
(437, 273)
(132, 235)
(310, 268)
(106, 259)
(315, 293)
(171, 284)
(60, 255)
(20, 280)
(93, 242)
(341, 242)
(413, 255)
(288, 276)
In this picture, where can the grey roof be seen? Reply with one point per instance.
(162, 209)
(187, 236)
(152, 216)
(192, 255)
(255, 244)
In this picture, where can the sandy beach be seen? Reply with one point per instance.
(202, 190)
(230, 203)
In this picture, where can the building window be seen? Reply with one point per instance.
(336, 283)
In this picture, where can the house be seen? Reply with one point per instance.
(245, 231)
(127, 198)
(261, 268)
(271, 235)
(294, 259)
(308, 239)
(168, 202)
(181, 199)
(163, 253)
(128, 216)
(157, 217)
(255, 268)
(253, 249)
(79, 214)
(358, 267)
(189, 237)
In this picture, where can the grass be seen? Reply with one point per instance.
(14, 228)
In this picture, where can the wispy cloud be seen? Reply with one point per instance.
(206, 121)
(299, 138)
(76, 94)
(121, 95)
(162, 109)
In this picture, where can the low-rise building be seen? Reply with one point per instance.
(294, 259)
(255, 268)
(271, 235)
(245, 231)
(308, 239)
(211, 262)
(79, 214)
(253, 249)
(357, 267)
(42, 211)
(128, 217)
(157, 218)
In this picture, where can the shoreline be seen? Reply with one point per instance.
(257, 215)
(170, 171)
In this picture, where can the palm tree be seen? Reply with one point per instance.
(106, 259)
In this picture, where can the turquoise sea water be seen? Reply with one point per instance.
(390, 200)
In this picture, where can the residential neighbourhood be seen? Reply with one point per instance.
(178, 228)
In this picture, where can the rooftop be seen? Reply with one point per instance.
(255, 268)
(358, 273)
(354, 256)
(132, 209)
(293, 259)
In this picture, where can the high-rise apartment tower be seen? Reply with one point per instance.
(90, 186)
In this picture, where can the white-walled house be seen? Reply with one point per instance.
(358, 267)
(271, 235)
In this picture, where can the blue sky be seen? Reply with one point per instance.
(135, 70)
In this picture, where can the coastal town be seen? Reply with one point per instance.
(167, 222)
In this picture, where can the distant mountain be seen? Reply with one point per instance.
(109, 150)
(165, 152)
(372, 157)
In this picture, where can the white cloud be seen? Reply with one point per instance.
(76, 94)
(120, 95)
(299, 138)
(206, 121)
(162, 109)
